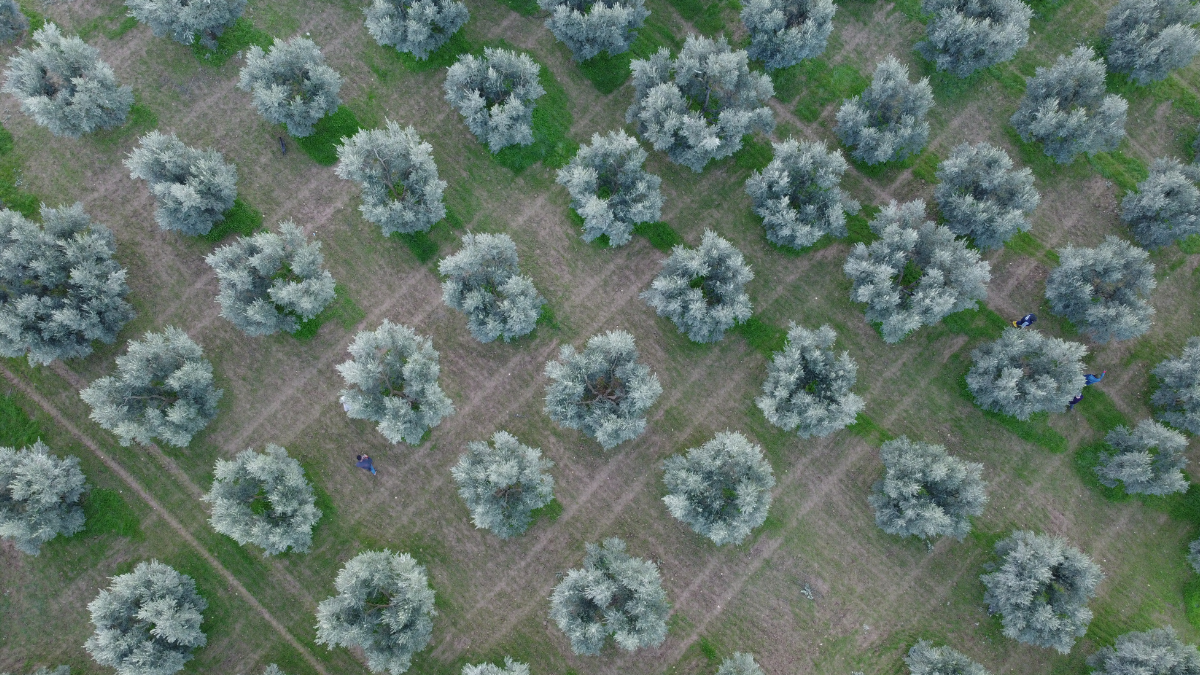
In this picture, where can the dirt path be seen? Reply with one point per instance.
(134, 485)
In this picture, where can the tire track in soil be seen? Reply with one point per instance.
(183, 533)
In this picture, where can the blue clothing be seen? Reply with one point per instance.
(1093, 379)
(365, 463)
(1072, 402)
(1025, 321)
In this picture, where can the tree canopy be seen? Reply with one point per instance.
(182, 20)
(808, 386)
(722, 489)
(1149, 459)
(1166, 206)
(609, 188)
(702, 290)
(502, 483)
(589, 27)
(39, 496)
(887, 122)
(1150, 38)
(925, 659)
(964, 36)
(1177, 398)
(785, 32)
(484, 282)
(291, 84)
(926, 492)
(12, 22)
(510, 668)
(1103, 290)
(496, 95)
(417, 27)
(982, 197)
(799, 195)
(193, 188)
(1153, 652)
(1024, 372)
(740, 663)
(401, 191)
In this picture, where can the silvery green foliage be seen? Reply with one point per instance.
(263, 499)
(740, 664)
(799, 195)
(588, 27)
(1065, 107)
(887, 123)
(702, 290)
(418, 27)
(1103, 290)
(12, 21)
(401, 191)
(163, 388)
(484, 282)
(603, 391)
(271, 282)
(290, 84)
(60, 288)
(502, 483)
(1041, 589)
(510, 668)
(384, 606)
(1178, 395)
(193, 188)
(1193, 556)
(982, 197)
(496, 96)
(926, 492)
(273, 669)
(1024, 372)
(1150, 38)
(722, 489)
(785, 32)
(968, 35)
(614, 594)
(609, 188)
(1148, 460)
(1154, 652)
(64, 86)
(808, 386)
(39, 496)
(45, 670)
(916, 273)
(925, 659)
(181, 20)
(1166, 206)
(698, 107)
(147, 621)
(392, 381)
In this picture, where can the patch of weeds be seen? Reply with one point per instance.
(824, 84)
(420, 243)
(1100, 411)
(763, 337)
(606, 72)
(139, 120)
(122, 28)
(551, 120)
(343, 311)
(17, 428)
(980, 322)
(787, 82)
(100, 25)
(1190, 245)
(11, 195)
(1125, 171)
(885, 170)
(653, 35)
(754, 155)
(36, 20)
(6, 141)
(709, 650)
(867, 429)
(241, 219)
(550, 512)
(522, 7)
(240, 36)
(1191, 600)
(1034, 156)
(1011, 82)
(859, 228)
(443, 57)
(106, 511)
(926, 166)
(661, 235)
(1170, 90)
(547, 318)
(321, 145)
(706, 17)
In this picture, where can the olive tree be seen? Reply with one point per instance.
(183, 20)
(1067, 110)
(968, 35)
(588, 27)
(496, 95)
(163, 388)
(147, 621)
(1150, 38)
(60, 288)
(614, 594)
(384, 606)
(808, 386)
(602, 391)
(1041, 589)
(926, 492)
(1177, 397)
(192, 188)
(39, 496)
(785, 32)
(1103, 290)
(702, 290)
(740, 664)
(12, 22)
(1153, 652)
(64, 86)
(799, 195)
(502, 483)
(609, 188)
(916, 273)
(1166, 206)
(1147, 460)
(417, 27)
(45, 670)
(722, 489)
(980, 195)
(887, 122)
(484, 282)
(698, 107)
(1024, 372)
(925, 659)
(392, 380)
(271, 282)
(263, 499)
(291, 84)
(401, 191)
(510, 668)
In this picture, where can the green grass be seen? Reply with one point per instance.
(550, 512)
(106, 511)
(420, 243)
(822, 85)
(1191, 600)
(926, 166)
(706, 17)
(1100, 411)
(442, 57)
(240, 36)
(1170, 90)
(551, 120)
(1190, 245)
(866, 428)
(886, 171)
(661, 235)
(101, 25)
(17, 428)
(343, 311)
(36, 20)
(242, 219)
(140, 120)
(322, 144)
(522, 7)
(1124, 171)
(548, 318)
(765, 338)
(709, 651)
(979, 323)
(606, 72)
(754, 154)
(858, 226)
(1023, 243)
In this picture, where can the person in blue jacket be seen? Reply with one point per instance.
(1025, 321)
(364, 462)
(1093, 379)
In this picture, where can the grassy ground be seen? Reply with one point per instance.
(872, 595)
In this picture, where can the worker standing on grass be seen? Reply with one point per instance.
(364, 462)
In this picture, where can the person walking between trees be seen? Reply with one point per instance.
(1072, 402)
(364, 462)
(1025, 321)
(1093, 379)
